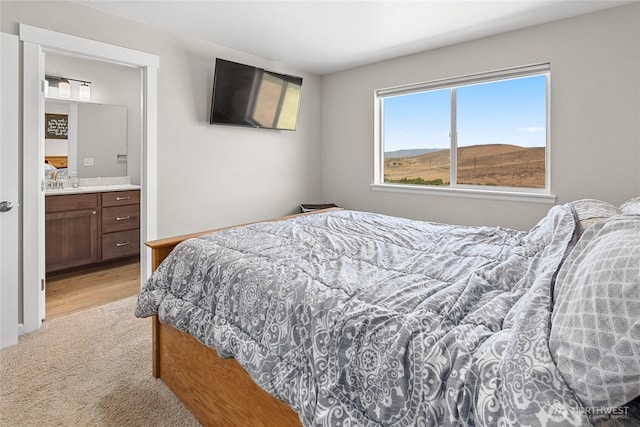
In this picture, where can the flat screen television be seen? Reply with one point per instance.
(253, 97)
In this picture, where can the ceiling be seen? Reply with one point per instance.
(321, 37)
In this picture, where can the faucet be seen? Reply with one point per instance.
(53, 185)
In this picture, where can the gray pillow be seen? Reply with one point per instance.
(592, 211)
(595, 331)
(631, 206)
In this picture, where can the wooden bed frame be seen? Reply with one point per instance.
(57, 161)
(219, 392)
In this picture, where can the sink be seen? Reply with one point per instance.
(62, 190)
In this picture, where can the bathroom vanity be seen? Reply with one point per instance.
(89, 225)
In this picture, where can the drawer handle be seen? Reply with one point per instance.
(118, 245)
(122, 218)
(122, 198)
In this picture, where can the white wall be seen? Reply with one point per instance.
(595, 117)
(208, 176)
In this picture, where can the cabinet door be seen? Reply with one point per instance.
(71, 238)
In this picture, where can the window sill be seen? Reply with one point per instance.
(512, 196)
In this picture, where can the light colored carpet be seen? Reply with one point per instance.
(91, 368)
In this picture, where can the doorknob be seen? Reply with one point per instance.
(5, 206)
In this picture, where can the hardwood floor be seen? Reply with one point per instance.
(75, 291)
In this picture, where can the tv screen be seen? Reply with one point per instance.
(249, 96)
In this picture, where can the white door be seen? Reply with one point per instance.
(33, 272)
(9, 192)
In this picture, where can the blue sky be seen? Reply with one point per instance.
(504, 112)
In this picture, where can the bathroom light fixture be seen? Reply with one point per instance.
(84, 92)
(64, 87)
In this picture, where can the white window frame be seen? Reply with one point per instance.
(540, 195)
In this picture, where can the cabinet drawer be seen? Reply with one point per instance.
(120, 244)
(120, 218)
(118, 198)
(70, 202)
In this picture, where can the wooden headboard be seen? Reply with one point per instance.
(161, 248)
(57, 161)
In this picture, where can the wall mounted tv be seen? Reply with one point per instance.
(249, 96)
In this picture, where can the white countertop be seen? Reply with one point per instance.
(91, 189)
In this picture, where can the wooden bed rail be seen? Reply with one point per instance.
(219, 392)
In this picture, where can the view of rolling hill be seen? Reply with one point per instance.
(409, 152)
(494, 164)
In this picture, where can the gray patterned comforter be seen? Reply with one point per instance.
(359, 319)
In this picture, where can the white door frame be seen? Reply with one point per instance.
(9, 190)
(35, 42)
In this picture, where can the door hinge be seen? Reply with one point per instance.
(42, 284)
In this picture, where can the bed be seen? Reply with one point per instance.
(351, 318)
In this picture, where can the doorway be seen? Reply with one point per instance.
(37, 41)
(97, 119)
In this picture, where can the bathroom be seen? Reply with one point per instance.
(92, 151)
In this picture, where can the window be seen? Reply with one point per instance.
(483, 132)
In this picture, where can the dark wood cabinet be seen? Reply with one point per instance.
(87, 228)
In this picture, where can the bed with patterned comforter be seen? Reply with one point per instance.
(360, 319)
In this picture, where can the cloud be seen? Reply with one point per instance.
(531, 129)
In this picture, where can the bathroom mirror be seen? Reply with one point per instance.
(96, 145)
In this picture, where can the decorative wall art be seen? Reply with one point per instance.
(56, 126)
